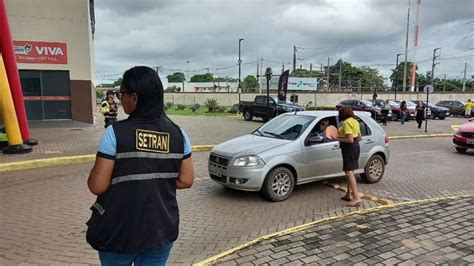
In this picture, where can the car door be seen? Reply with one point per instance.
(259, 105)
(367, 142)
(321, 159)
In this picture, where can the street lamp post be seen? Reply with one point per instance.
(396, 77)
(187, 73)
(268, 75)
(240, 63)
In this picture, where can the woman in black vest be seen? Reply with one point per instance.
(140, 163)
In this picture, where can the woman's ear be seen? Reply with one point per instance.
(134, 99)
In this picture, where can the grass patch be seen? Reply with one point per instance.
(203, 110)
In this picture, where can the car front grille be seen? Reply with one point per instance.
(463, 144)
(467, 134)
(218, 160)
(222, 178)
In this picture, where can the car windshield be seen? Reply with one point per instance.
(287, 127)
(275, 98)
(393, 103)
(367, 103)
(409, 103)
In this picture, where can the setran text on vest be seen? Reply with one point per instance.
(147, 140)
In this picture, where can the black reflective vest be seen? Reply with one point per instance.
(139, 211)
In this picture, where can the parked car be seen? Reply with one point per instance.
(288, 151)
(259, 107)
(411, 108)
(463, 138)
(362, 105)
(435, 111)
(455, 107)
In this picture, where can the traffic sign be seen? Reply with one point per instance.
(428, 89)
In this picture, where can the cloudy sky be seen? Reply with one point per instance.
(169, 33)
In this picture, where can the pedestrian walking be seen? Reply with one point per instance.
(385, 111)
(109, 108)
(403, 111)
(374, 97)
(468, 107)
(420, 113)
(140, 163)
(349, 137)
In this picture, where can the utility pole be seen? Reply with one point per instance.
(464, 79)
(294, 58)
(282, 67)
(328, 75)
(240, 63)
(340, 72)
(396, 77)
(311, 67)
(444, 83)
(257, 72)
(406, 50)
(434, 64)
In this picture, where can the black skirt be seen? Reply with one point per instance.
(350, 155)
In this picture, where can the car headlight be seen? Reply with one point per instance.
(249, 161)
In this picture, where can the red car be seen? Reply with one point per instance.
(463, 139)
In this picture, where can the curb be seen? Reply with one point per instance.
(55, 161)
(442, 135)
(216, 258)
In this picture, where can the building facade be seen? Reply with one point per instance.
(54, 49)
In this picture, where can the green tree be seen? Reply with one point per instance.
(202, 78)
(249, 83)
(176, 77)
(118, 82)
(305, 73)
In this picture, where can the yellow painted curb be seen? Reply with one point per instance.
(370, 197)
(442, 135)
(385, 202)
(55, 161)
(203, 147)
(219, 256)
(30, 164)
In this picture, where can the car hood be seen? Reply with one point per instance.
(467, 127)
(248, 145)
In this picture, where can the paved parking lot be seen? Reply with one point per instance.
(44, 210)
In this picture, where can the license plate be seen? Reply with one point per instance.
(214, 170)
(470, 141)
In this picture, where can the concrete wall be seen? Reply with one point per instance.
(319, 99)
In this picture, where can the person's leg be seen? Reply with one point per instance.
(154, 257)
(352, 183)
(115, 259)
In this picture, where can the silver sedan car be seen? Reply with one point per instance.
(289, 150)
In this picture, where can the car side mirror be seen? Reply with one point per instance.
(314, 140)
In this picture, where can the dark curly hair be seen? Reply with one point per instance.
(345, 112)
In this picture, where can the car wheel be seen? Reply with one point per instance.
(278, 184)
(442, 117)
(247, 115)
(394, 117)
(461, 150)
(432, 116)
(374, 169)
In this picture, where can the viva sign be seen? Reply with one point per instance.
(40, 52)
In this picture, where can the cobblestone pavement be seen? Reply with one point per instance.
(440, 232)
(69, 138)
(43, 210)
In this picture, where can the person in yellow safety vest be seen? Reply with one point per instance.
(3, 137)
(109, 108)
